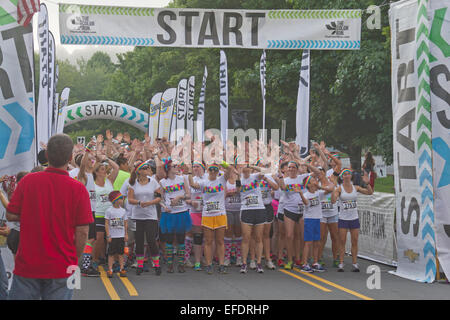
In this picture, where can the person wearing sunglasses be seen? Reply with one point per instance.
(143, 193)
(214, 217)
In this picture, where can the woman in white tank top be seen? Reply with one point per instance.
(348, 216)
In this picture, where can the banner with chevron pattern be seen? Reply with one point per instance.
(205, 28)
(17, 129)
(153, 117)
(412, 140)
(166, 113)
(109, 110)
(440, 119)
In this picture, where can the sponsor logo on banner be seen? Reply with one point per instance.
(338, 28)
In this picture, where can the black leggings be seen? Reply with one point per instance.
(149, 230)
(168, 237)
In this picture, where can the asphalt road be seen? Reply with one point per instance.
(271, 285)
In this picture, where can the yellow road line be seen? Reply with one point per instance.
(306, 281)
(108, 285)
(127, 283)
(336, 286)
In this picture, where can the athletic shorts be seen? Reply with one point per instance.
(215, 222)
(233, 218)
(253, 217)
(312, 230)
(269, 213)
(293, 216)
(13, 240)
(348, 224)
(92, 234)
(333, 219)
(99, 224)
(196, 218)
(116, 246)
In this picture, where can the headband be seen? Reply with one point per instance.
(344, 171)
(296, 164)
(200, 164)
(120, 196)
(166, 162)
(258, 162)
(213, 166)
(140, 166)
(308, 180)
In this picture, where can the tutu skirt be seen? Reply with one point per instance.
(175, 222)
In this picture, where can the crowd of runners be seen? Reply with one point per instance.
(153, 210)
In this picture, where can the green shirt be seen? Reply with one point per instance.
(121, 177)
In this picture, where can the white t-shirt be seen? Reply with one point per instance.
(265, 190)
(314, 208)
(329, 209)
(348, 204)
(102, 200)
(145, 193)
(233, 202)
(251, 197)
(172, 189)
(292, 200)
(213, 196)
(90, 185)
(117, 218)
(196, 195)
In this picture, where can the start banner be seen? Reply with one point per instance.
(207, 28)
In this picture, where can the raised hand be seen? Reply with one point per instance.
(109, 135)
(119, 137)
(100, 138)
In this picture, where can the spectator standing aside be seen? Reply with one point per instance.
(54, 213)
(369, 168)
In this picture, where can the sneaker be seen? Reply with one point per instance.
(280, 263)
(227, 262)
(252, 264)
(158, 271)
(198, 267)
(134, 265)
(336, 263)
(222, 269)
(188, 263)
(90, 272)
(170, 268)
(306, 268)
(270, 265)
(259, 268)
(243, 268)
(109, 273)
(317, 267)
(139, 271)
(123, 273)
(355, 267)
(209, 269)
(341, 267)
(239, 261)
(288, 266)
(180, 268)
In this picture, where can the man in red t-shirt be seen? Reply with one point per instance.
(54, 213)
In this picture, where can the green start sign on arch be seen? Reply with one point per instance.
(207, 28)
(107, 110)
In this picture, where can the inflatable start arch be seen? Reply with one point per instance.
(107, 110)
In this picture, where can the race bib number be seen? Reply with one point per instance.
(349, 204)
(235, 199)
(265, 194)
(116, 223)
(212, 206)
(251, 201)
(314, 202)
(179, 203)
(327, 205)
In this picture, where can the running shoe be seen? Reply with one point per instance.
(170, 268)
(239, 261)
(209, 269)
(336, 263)
(134, 265)
(197, 267)
(288, 266)
(123, 273)
(270, 265)
(355, 267)
(341, 267)
(222, 269)
(259, 268)
(158, 271)
(188, 263)
(317, 267)
(180, 268)
(109, 273)
(91, 272)
(227, 262)
(139, 271)
(243, 268)
(252, 264)
(280, 263)
(306, 268)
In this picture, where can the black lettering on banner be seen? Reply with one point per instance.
(5, 84)
(109, 109)
(191, 102)
(117, 109)
(102, 110)
(255, 23)
(405, 223)
(166, 27)
(88, 110)
(227, 28)
(440, 92)
(405, 93)
(209, 18)
(18, 34)
(365, 222)
(95, 109)
(406, 120)
(403, 37)
(188, 24)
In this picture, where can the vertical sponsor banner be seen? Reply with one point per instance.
(223, 79)
(43, 107)
(61, 116)
(51, 81)
(55, 100)
(17, 112)
(262, 76)
(182, 95)
(190, 107)
(440, 112)
(166, 112)
(153, 116)
(414, 199)
(200, 124)
(302, 120)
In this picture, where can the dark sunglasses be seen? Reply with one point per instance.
(214, 169)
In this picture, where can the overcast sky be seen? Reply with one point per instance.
(52, 8)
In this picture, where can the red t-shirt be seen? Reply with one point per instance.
(50, 205)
